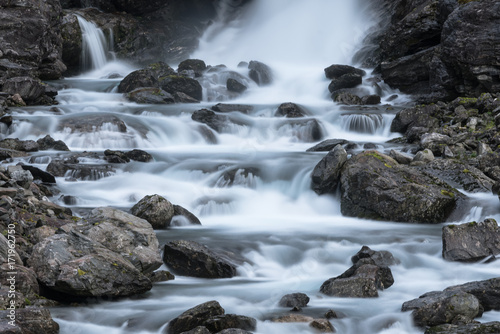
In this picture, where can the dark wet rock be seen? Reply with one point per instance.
(401, 157)
(150, 95)
(19, 145)
(198, 330)
(157, 210)
(39, 174)
(374, 185)
(194, 317)
(234, 331)
(115, 157)
(178, 84)
(210, 118)
(224, 107)
(238, 176)
(336, 71)
(290, 318)
(458, 174)
(305, 130)
(221, 322)
(326, 174)
(327, 145)
(160, 276)
(75, 265)
(378, 258)
(260, 73)
(370, 99)
(434, 142)
(290, 110)
(147, 77)
(71, 168)
(420, 116)
(29, 320)
(345, 97)
(234, 85)
(189, 258)
(139, 155)
(474, 328)
(459, 308)
(349, 80)
(471, 241)
(196, 65)
(31, 90)
(294, 300)
(92, 123)
(49, 143)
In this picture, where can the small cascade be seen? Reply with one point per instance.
(363, 123)
(95, 47)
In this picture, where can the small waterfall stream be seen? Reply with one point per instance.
(292, 240)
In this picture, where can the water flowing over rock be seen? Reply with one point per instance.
(326, 174)
(375, 186)
(471, 241)
(290, 110)
(260, 73)
(363, 123)
(190, 258)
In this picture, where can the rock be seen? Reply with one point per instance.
(370, 99)
(373, 185)
(224, 107)
(177, 84)
(49, 143)
(21, 177)
(31, 90)
(327, 145)
(326, 174)
(161, 276)
(362, 122)
(196, 65)
(422, 116)
(474, 328)
(72, 169)
(198, 330)
(345, 97)
(39, 174)
(5, 254)
(294, 300)
(157, 210)
(260, 73)
(123, 233)
(369, 273)
(336, 71)
(435, 142)
(147, 77)
(322, 326)
(75, 265)
(424, 156)
(290, 110)
(233, 85)
(349, 80)
(115, 157)
(194, 317)
(92, 123)
(179, 211)
(29, 320)
(304, 130)
(471, 241)
(150, 95)
(189, 258)
(401, 157)
(208, 117)
(459, 308)
(139, 155)
(219, 323)
(19, 145)
(288, 318)
(234, 331)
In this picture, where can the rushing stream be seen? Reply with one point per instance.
(292, 240)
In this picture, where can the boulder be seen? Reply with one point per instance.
(322, 326)
(327, 145)
(92, 123)
(471, 241)
(210, 118)
(150, 95)
(29, 320)
(420, 116)
(221, 322)
(39, 174)
(31, 90)
(373, 185)
(349, 80)
(157, 210)
(139, 155)
(75, 265)
(147, 77)
(326, 174)
(49, 143)
(194, 317)
(336, 71)
(260, 73)
(290, 110)
(423, 157)
(345, 97)
(178, 84)
(474, 328)
(294, 300)
(189, 258)
(225, 107)
(401, 157)
(196, 65)
(305, 130)
(19, 145)
(186, 215)
(234, 85)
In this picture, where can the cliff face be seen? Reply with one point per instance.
(439, 49)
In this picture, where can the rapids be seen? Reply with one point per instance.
(291, 239)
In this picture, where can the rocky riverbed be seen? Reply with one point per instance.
(445, 149)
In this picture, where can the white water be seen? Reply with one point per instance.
(292, 239)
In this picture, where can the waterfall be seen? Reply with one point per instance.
(363, 123)
(95, 47)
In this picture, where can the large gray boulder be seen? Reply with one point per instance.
(75, 265)
(325, 176)
(190, 258)
(375, 186)
(29, 320)
(474, 328)
(157, 210)
(471, 241)
(194, 317)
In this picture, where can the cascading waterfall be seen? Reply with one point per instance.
(249, 183)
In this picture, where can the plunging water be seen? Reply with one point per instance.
(292, 240)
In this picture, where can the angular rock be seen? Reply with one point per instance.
(373, 185)
(349, 80)
(147, 77)
(322, 326)
(415, 117)
(29, 320)
(425, 156)
(327, 145)
(471, 241)
(219, 323)
(400, 157)
(157, 210)
(224, 107)
(177, 84)
(366, 255)
(336, 71)
(194, 317)
(49, 143)
(208, 117)
(290, 110)
(196, 65)
(150, 95)
(179, 211)
(39, 174)
(345, 97)
(474, 328)
(189, 258)
(326, 174)
(139, 155)
(234, 85)
(198, 330)
(294, 300)
(30, 90)
(19, 145)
